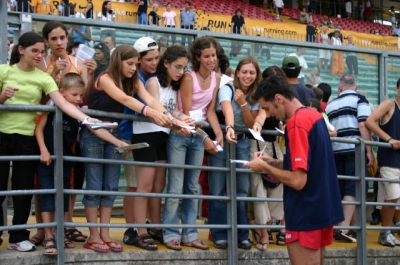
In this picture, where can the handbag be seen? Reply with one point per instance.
(374, 168)
(268, 180)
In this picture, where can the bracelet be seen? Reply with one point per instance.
(257, 122)
(229, 126)
(388, 139)
(85, 120)
(245, 110)
(204, 138)
(244, 104)
(144, 106)
(145, 110)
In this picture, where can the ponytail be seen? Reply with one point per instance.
(15, 56)
(27, 39)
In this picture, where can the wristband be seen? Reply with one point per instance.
(85, 120)
(257, 123)
(388, 139)
(244, 104)
(166, 112)
(204, 138)
(245, 110)
(145, 110)
(228, 126)
(144, 106)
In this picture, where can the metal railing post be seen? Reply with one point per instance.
(59, 183)
(361, 211)
(232, 207)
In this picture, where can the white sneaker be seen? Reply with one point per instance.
(23, 246)
(394, 239)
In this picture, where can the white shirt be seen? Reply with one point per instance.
(302, 63)
(169, 18)
(278, 3)
(110, 17)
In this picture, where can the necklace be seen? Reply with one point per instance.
(204, 78)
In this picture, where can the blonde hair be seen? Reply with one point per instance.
(71, 80)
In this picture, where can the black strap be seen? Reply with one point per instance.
(273, 149)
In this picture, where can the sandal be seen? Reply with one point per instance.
(51, 247)
(114, 246)
(174, 245)
(196, 244)
(145, 242)
(262, 246)
(156, 234)
(270, 239)
(280, 238)
(74, 235)
(68, 243)
(36, 240)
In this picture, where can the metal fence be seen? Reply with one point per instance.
(381, 68)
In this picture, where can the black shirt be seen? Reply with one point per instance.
(237, 23)
(23, 6)
(142, 8)
(155, 18)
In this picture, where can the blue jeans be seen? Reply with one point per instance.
(99, 176)
(183, 151)
(142, 18)
(217, 211)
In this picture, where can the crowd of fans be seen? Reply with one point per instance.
(152, 79)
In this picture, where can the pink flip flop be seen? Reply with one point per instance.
(96, 247)
(114, 248)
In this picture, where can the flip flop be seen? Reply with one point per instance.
(96, 247)
(262, 246)
(112, 245)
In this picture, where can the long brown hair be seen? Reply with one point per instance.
(253, 87)
(200, 44)
(122, 53)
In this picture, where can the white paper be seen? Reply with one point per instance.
(219, 148)
(256, 135)
(279, 130)
(131, 147)
(84, 52)
(225, 80)
(201, 123)
(183, 127)
(238, 161)
(196, 115)
(96, 125)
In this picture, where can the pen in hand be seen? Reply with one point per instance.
(262, 151)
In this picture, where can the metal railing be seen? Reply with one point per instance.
(383, 61)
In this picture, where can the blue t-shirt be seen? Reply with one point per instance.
(225, 93)
(126, 125)
(308, 146)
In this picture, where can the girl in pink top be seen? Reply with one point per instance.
(198, 91)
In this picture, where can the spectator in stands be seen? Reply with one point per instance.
(337, 61)
(305, 17)
(327, 91)
(314, 77)
(312, 7)
(324, 55)
(154, 18)
(73, 48)
(393, 19)
(42, 7)
(81, 33)
(325, 21)
(197, 92)
(261, 49)
(88, 11)
(396, 31)
(23, 6)
(64, 8)
(278, 8)
(348, 6)
(315, 104)
(337, 27)
(348, 113)
(237, 25)
(304, 67)
(142, 11)
(163, 87)
(187, 20)
(106, 14)
(169, 21)
(162, 44)
(307, 193)
(388, 130)
(147, 66)
(11, 5)
(110, 42)
(109, 97)
(25, 85)
(102, 58)
(264, 212)
(237, 106)
(351, 58)
(368, 10)
(291, 67)
(372, 31)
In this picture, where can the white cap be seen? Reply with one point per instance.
(145, 44)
